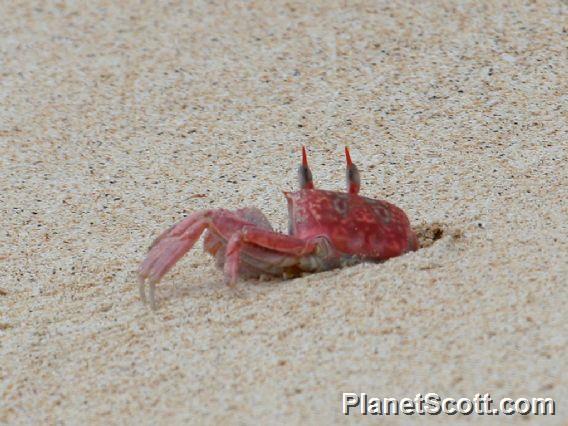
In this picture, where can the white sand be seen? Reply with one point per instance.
(113, 119)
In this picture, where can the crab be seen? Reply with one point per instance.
(326, 230)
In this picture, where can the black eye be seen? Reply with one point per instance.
(305, 175)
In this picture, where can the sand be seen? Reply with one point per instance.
(118, 120)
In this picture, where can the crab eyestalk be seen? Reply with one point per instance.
(304, 172)
(352, 174)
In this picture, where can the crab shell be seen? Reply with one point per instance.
(356, 228)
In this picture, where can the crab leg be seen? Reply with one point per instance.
(168, 248)
(172, 244)
(286, 248)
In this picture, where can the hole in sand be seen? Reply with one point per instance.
(429, 233)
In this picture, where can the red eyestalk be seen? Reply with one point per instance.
(304, 172)
(353, 178)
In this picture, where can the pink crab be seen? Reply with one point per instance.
(326, 230)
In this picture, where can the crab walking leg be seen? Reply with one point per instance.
(172, 244)
(279, 243)
(168, 248)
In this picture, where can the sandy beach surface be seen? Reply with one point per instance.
(118, 119)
